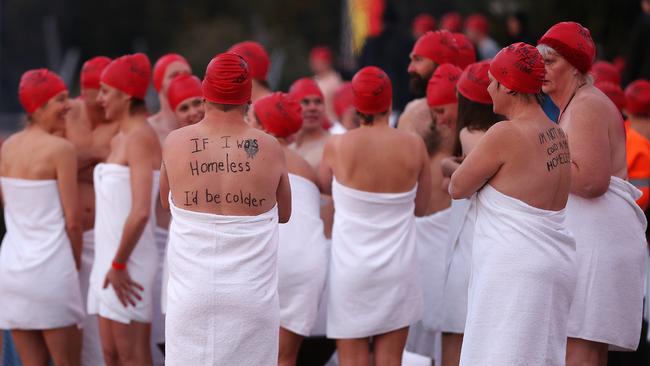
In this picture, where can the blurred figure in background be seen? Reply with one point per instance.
(477, 28)
(452, 22)
(517, 28)
(638, 55)
(321, 64)
(346, 116)
(421, 24)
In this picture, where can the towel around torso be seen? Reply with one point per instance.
(302, 259)
(374, 281)
(39, 284)
(222, 302)
(112, 207)
(612, 262)
(522, 283)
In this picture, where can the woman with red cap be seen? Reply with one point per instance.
(165, 70)
(379, 178)
(300, 283)
(40, 299)
(227, 187)
(186, 99)
(126, 257)
(346, 115)
(520, 171)
(601, 213)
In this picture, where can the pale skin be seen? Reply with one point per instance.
(36, 154)
(135, 146)
(377, 158)
(597, 139)
(91, 134)
(190, 111)
(266, 180)
(289, 341)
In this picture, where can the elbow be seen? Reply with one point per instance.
(73, 226)
(457, 191)
(284, 217)
(592, 189)
(140, 217)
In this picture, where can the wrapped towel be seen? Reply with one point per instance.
(91, 346)
(158, 319)
(112, 207)
(39, 284)
(522, 282)
(374, 281)
(612, 261)
(222, 301)
(459, 262)
(302, 259)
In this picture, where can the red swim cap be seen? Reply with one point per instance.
(160, 68)
(279, 114)
(474, 81)
(478, 23)
(604, 71)
(638, 97)
(256, 57)
(424, 23)
(37, 87)
(372, 90)
(439, 47)
(466, 50)
(305, 87)
(321, 53)
(91, 71)
(573, 42)
(613, 91)
(182, 88)
(519, 67)
(452, 22)
(343, 99)
(441, 89)
(227, 80)
(129, 74)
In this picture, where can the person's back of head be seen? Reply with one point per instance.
(227, 84)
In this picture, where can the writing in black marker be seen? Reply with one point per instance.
(226, 166)
(199, 144)
(191, 198)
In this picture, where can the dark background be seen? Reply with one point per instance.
(38, 33)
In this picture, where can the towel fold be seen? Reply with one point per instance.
(91, 346)
(522, 282)
(302, 259)
(222, 302)
(112, 207)
(374, 281)
(612, 262)
(39, 284)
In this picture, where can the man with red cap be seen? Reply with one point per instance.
(311, 138)
(91, 133)
(608, 303)
(637, 127)
(520, 172)
(346, 115)
(259, 63)
(430, 50)
(379, 177)
(122, 281)
(227, 187)
(186, 99)
(466, 51)
(40, 298)
(421, 24)
(300, 284)
(477, 28)
(328, 80)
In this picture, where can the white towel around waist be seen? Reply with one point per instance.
(39, 283)
(222, 303)
(302, 259)
(612, 263)
(374, 281)
(522, 283)
(112, 207)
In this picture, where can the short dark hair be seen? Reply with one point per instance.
(368, 119)
(475, 116)
(137, 105)
(225, 107)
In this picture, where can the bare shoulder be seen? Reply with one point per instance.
(179, 134)
(296, 164)
(60, 147)
(74, 115)
(594, 108)
(143, 135)
(414, 111)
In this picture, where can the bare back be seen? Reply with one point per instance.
(224, 168)
(33, 154)
(416, 117)
(141, 134)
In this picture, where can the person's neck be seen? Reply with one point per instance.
(523, 110)
(165, 116)
(128, 122)
(310, 135)
(234, 117)
(562, 97)
(95, 116)
(258, 91)
(324, 73)
(40, 127)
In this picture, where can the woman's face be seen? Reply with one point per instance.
(558, 73)
(113, 101)
(52, 113)
(190, 111)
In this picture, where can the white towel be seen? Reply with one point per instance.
(91, 346)
(158, 318)
(112, 207)
(459, 262)
(39, 284)
(522, 282)
(302, 259)
(612, 263)
(374, 281)
(222, 300)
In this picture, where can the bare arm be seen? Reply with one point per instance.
(482, 163)
(164, 187)
(325, 173)
(90, 156)
(66, 174)
(423, 194)
(283, 198)
(588, 137)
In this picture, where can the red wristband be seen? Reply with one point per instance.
(118, 266)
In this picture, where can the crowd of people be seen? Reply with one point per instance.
(500, 223)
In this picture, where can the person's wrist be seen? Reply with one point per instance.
(118, 266)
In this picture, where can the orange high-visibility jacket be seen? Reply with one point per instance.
(638, 163)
